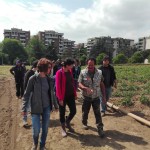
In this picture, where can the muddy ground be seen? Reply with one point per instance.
(122, 132)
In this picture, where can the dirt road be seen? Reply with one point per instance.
(122, 132)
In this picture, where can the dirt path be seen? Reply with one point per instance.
(122, 132)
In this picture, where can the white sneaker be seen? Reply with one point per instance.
(64, 134)
(85, 127)
(25, 123)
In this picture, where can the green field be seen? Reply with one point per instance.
(133, 83)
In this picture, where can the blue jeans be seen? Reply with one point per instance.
(28, 109)
(108, 91)
(36, 126)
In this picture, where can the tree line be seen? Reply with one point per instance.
(12, 49)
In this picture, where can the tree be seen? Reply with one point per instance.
(99, 58)
(35, 48)
(120, 59)
(12, 49)
(51, 52)
(66, 53)
(137, 58)
(83, 60)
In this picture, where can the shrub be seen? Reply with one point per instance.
(120, 59)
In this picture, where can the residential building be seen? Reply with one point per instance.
(120, 44)
(50, 36)
(144, 43)
(19, 34)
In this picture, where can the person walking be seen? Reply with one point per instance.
(66, 95)
(28, 74)
(18, 72)
(90, 82)
(109, 76)
(76, 72)
(41, 103)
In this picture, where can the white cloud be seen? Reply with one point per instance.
(116, 18)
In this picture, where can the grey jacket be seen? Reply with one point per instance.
(34, 87)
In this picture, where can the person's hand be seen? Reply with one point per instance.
(56, 110)
(24, 113)
(89, 90)
(61, 103)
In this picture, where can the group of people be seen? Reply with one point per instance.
(48, 87)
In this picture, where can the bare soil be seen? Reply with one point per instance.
(122, 132)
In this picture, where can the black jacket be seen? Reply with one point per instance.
(28, 74)
(112, 74)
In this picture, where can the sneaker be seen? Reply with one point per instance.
(34, 147)
(85, 127)
(63, 130)
(102, 114)
(101, 132)
(25, 123)
(63, 133)
(69, 127)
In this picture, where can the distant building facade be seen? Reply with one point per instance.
(143, 43)
(60, 43)
(120, 44)
(49, 37)
(109, 43)
(19, 34)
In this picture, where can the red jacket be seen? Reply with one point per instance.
(60, 80)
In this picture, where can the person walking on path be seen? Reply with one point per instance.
(18, 72)
(76, 72)
(28, 74)
(66, 95)
(109, 76)
(41, 103)
(90, 82)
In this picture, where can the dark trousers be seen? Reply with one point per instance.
(19, 88)
(87, 102)
(70, 101)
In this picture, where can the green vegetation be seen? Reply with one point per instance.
(133, 81)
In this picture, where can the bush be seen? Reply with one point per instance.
(99, 58)
(137, 58)
(120, 59)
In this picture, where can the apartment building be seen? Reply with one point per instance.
(103, 40)
(120, 44)
(109, 44)
(19, 34)
(144, 43)
(50, 36)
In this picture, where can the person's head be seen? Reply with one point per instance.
(18, 62)
(44, 65)
(34, 64)
(77, 63)
(91, 62)
(106, 60)
(68, 63)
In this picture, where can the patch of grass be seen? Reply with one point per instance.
(127, 101)
(145, 100)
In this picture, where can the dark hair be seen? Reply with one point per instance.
(34, 64)
(43, 64)
(68, 61)
(92, 59)
(106, 57)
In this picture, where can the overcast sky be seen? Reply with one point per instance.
(78, 19)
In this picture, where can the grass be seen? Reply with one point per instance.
(132, 80)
